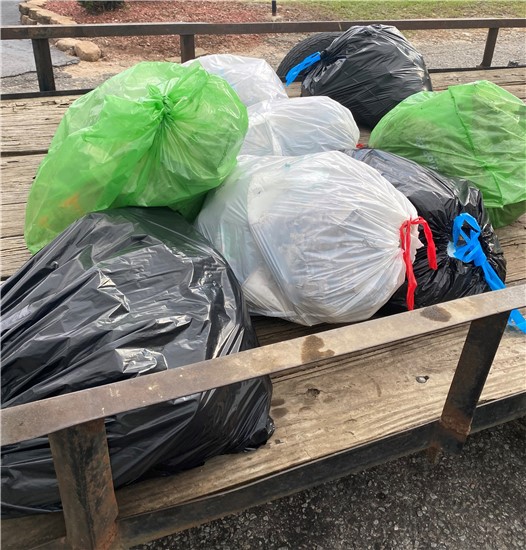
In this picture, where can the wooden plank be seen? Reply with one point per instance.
(13, 255)
(143, 528)
(380, 391)
(141, 29)
(17, 177)
(18, 174)
(13, 251)
(33, 531)
(515, 76)
(349, 402)
(39, 117)
(313, 399)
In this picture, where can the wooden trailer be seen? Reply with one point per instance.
(344, 398)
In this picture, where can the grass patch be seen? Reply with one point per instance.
(412, 9)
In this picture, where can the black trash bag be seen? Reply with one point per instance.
(439, 200)
(368, 69)
(121, 294)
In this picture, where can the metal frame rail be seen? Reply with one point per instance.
(41, 34)
(75, 422)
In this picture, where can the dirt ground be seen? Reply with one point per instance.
(122, 52)
(162, 47)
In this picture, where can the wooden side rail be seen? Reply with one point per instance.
(75, 422)
(40, 34)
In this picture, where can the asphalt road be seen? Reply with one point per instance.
(475, 501)
(17, 55)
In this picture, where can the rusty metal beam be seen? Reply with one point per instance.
(187, 47)
(82, 463)
(473, 367)
(44, 65)
(145, 527)
(141, 29)
(489, 49)
(29, 532)
(31, 420)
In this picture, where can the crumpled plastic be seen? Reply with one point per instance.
(311, 239)
(157, 134)
(472, 131)
(299, 126)
(369, 69)
(121, 294)
(253, 79)
(439, 200)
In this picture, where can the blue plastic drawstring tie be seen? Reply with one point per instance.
(472, 252)
(305, 64)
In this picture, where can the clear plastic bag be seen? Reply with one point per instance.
(253, 79)
(319, 234)
(224, 222)
(299, 126)
(440, 200)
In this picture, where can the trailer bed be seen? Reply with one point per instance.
(333, 415)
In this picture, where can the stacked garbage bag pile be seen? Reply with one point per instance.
(313, 238)
(291, 219)
(440, 200)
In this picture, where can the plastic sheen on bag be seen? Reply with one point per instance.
(473, 131)
(253, 79)
(157, 134)
(312, 239)
(368, 69)
(439, 200)
(299, 126)
(121, 294)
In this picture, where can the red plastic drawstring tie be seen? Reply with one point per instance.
(405, 242)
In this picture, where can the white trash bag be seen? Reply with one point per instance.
(224, 222)
(299, 126)
(253, 79)
(312, 239)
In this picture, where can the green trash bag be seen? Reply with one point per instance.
(158, 134)
(474, 131)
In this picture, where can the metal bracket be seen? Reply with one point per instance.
(473, 367)
(82, 463)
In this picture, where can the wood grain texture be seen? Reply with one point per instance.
(29, 125)
(335, 405)
(348, 403)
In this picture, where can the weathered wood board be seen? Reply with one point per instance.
(332, 406)
(39, 118)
